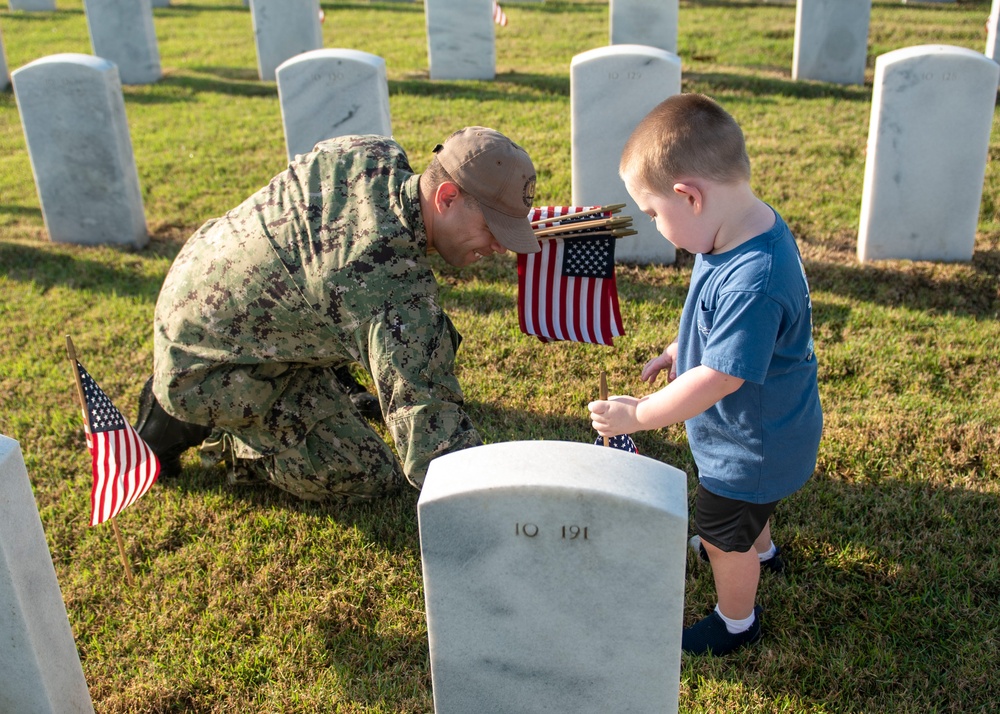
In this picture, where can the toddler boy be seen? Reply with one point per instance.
(741, 373)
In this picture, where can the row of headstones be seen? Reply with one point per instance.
(931, 116)
(460, 36)
(831, 39)
(122, 32)
(831, 36)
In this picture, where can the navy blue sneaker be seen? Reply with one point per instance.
(710, 636)
(773, 564)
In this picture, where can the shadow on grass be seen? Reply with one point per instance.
(235, 81)
(24, 211)
(944, 288)
(179, 8)
(69, 266)
(492, 90)
(407, 6)
(887, 603)
(759, 88)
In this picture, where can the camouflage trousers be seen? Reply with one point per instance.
(340, 459)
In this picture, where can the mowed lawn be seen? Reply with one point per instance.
(248, 601)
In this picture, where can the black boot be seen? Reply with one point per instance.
(364, 402)
(167, 436)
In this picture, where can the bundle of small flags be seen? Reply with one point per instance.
(567, 290)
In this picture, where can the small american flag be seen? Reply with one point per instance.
(622, 441)
(567, 290)
(124, 465)
(499, 16)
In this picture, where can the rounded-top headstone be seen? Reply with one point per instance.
(332, 92)
(73, 116)
(553, 579)
(611, 90)
(928, 145)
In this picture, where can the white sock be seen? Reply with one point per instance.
(769, 553)
(735, 627)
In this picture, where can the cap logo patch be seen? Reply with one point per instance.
(529, 192)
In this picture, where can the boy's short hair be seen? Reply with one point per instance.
(686, 135)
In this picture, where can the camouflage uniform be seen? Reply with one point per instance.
(324, 266)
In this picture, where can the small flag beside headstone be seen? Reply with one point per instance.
(124, 465)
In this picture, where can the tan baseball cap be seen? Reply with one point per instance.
(499, 174)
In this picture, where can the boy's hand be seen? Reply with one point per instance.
(614, 416)
(667, 361)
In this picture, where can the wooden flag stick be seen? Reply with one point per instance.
(604, 397)
(611, 208)
(592, 223)
(121, 551)
(616, 234)
(71, 351)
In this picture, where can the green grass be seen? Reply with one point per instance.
(248, 601)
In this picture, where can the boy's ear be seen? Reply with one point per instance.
(691, 194)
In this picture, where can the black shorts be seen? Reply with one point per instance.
(728, 524)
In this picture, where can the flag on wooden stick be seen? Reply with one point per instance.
(621, 441)
(567, 290)
(124, 465)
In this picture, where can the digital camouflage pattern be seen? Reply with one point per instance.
(324, 266)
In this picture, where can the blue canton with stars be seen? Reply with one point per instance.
(622, 441)
(589, 257)
(104, 416)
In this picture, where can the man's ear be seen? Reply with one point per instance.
(691, 194)
(445, 195)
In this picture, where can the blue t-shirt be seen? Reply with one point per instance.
(748, 313)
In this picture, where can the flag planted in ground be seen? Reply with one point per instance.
(567, 290)
(622, 441)
(124, 465)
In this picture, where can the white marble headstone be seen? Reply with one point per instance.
(283, 29)
(73, 116)
(332, 92)
(121, 31)
(993, 33)
(33, 5)
(644, 22)
(611, 90)
(40, 669)
(461, 40)
(553, 579)
(831, 40)
(928, 142)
